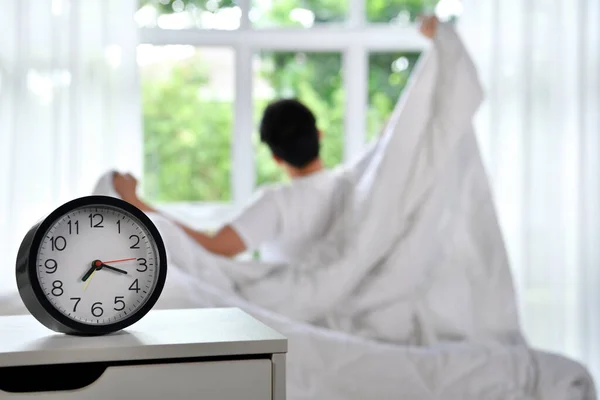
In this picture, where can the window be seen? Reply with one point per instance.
(209, 68)
(297, 13)
(187, 98)
(186, 14)
(404, 12)
(388, 74)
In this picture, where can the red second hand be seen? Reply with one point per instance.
(118, 261)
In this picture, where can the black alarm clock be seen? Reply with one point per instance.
(94, 266)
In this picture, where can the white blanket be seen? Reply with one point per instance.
(415, 254)
(414, 257)
(410, 294)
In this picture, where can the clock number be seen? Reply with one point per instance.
(71, 224)
(57, 289)
(119, 225)
(142, 264)
(77, 300)
(97, 311)
(58, 243)
(134, 286)
(136, 237)
(51, 266)
(118, 300)
(97, 224)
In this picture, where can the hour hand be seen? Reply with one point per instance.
(89, 273)
(121, 271)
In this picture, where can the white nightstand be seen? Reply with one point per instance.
(169, 354)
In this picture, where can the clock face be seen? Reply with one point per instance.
(97, 265)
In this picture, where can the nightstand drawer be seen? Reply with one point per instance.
(207, 354)
(212, 380)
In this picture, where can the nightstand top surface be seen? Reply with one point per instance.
(161, 334)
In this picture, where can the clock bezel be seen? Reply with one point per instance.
(33, 295)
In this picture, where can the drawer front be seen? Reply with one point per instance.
(218, 380)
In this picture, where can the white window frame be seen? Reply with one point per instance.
(354, 39)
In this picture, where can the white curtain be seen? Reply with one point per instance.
(539, 133)
(69, 107)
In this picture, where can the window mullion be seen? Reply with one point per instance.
(245, 19)
(380, 38)
(356, 76)
(356, 15)
(242, 166)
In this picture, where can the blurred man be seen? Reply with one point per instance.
(283, 220)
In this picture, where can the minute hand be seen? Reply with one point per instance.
(121, 271)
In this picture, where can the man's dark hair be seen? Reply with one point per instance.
(289, 128)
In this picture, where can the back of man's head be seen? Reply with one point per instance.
(289, 128)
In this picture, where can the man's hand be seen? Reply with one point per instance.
(126, 186)
(429, 26)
